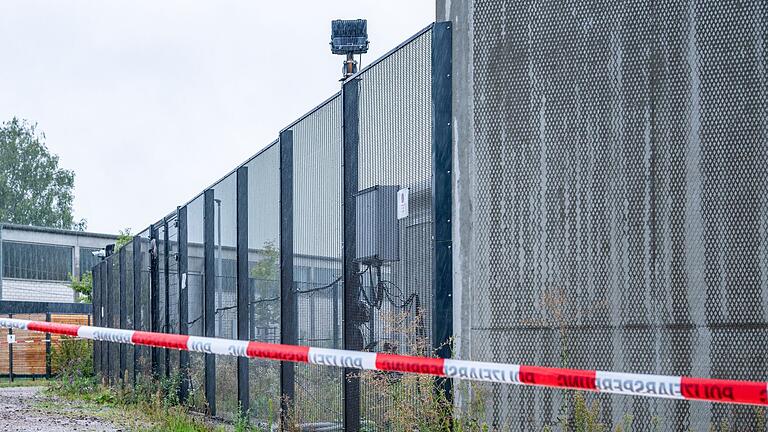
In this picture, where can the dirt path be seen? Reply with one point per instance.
(32, 409)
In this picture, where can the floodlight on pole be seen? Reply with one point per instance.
(349, 37)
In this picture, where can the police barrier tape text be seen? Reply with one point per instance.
(661, 386)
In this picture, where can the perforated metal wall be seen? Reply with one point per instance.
(619, 201)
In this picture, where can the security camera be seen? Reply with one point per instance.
(101, 253)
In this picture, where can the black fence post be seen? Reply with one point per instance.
(166, 298)
(209, 297)
(288, 309)
(243, 395)
(136, 301)
(442, 282)
(351, 313)
(154, 296)
(10, 353)
(48, 349)
(123, 311)
(183, 303)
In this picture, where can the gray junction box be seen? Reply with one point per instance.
(378, 230)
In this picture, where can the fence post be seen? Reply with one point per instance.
(243, 395)
(123, 311)
(209, 293)
(351, 314)
(10, 354)
(154, 296)
(288, 309)
(183, 303)
(47, 349)
(442, 281)
(136, 301)
(166, 297)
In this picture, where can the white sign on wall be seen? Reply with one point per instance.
(11, 338)
(402, 203)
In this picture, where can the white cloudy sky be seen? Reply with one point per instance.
(150, 101)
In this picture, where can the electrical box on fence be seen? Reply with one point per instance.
(378, 229)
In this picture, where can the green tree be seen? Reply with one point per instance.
(34, 190)
(266, 271)
(83, 286)
(123, 238)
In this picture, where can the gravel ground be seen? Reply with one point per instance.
(31, 409)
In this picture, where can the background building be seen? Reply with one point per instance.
(37, 262)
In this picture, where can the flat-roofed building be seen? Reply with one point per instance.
(37, 262)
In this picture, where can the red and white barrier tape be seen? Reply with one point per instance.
(671, 387)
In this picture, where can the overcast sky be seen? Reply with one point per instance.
(151, 101)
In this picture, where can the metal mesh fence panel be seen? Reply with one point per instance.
(144, 361)
(172, 325)
(619, 211)
(113, 263)
(264, 278)
(104, 301)
(96, 301)
(394, 249)
(317, 235)
(225, 254)
(128, 271)
(195, 292)
(161, 289)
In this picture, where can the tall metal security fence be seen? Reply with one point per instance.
(336, 235)
(618, 202)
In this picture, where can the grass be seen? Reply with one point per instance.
(140, 410)
(24, 382)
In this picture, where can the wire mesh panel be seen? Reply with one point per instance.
(172, 325)
(619, 214)
(96, 302)
(225, 254)
(113, 264)
(143, 364)
(128, 287)
(264, 278)
(161, 289)
(317, 235)
(104, 301)
(195, 292)
(394, 248)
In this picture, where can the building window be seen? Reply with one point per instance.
(36, 261)
(87, 260)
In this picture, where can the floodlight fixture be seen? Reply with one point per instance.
(349, 37)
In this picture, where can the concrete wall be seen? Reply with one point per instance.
(609, 213)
